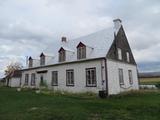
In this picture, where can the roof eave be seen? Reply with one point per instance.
(62, 63)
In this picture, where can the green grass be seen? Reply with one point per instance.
(27, 105)
(149, 81)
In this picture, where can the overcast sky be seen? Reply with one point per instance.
(28, 27)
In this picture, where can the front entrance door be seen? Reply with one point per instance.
(41, 80)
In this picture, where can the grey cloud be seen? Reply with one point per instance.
(29, 27)
(23, 31)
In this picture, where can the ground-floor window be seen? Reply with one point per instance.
(121, 79)
(130, 77)
(54, 78)
(26, 79)
(33, 79)
(91, 77)
(70, 77)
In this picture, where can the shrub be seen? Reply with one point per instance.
(158, 86)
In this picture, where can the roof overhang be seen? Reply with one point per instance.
(63, 63)
(42, 71)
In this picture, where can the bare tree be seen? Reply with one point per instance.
(11, 68)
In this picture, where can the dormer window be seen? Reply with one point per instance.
(42, 59)
(119, 54)
(62, 55)
(30, 62)
(81, 51)
(128, 56)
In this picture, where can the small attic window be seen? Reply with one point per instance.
(119, 54)
(62, 55)
(30, 62)
(81, 51)
(128, 56)
(42, 59)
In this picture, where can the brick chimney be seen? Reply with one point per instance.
(64, 39)
(117, 24)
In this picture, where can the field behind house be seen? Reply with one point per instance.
(27, 105)
(149, 81)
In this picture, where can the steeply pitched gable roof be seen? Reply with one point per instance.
(99, 41)
(97, 45)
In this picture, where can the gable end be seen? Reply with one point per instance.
(120, 41)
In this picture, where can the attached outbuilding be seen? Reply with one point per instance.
(14, 79)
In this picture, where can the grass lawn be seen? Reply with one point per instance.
(149, 81)
(27, 105)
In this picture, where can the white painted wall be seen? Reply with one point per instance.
(79, 76)
(14, 82)
(113, 77)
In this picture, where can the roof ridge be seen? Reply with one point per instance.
(90, 34)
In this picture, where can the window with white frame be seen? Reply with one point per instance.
(26, 79)
(33, 79)
(42, 80)
(70, 77)
(30, 62)
(121, 79)
(119, 54)
(42, 60)
(91, 77)
(128, 57)
(62, 56)
(54, 78)
(81, 52)
(130, 76)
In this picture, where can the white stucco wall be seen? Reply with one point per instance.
(14, 82)
(113, 77)
(79, 76)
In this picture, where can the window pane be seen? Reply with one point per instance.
(130, 77)
(32, 79)
(119, 54)
(88, 77)
(91, 77)
(62, 56)
(54, 78)
(42, 60)
(128, 57)
(121, 76)
(30, 63)
(81, 52)
(70, 77)
(26, 79)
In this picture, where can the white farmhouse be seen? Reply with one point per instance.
(102, 61)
